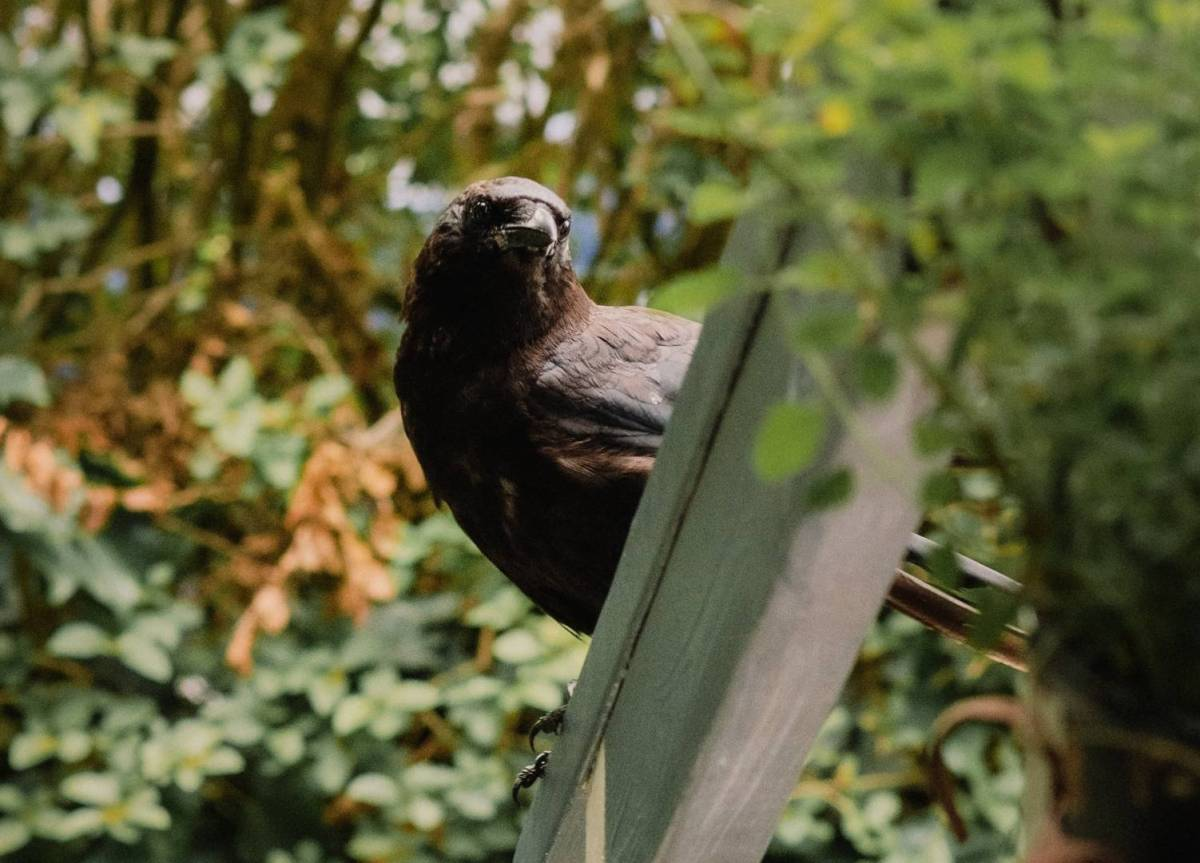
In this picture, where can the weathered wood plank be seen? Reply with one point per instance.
(557, 808)
(733, 621)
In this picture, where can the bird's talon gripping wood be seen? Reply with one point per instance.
(530, 774)
(548, 723)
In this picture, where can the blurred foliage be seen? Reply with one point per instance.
(236, 625)
(1023, 175)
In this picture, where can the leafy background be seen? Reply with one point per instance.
(236, 626)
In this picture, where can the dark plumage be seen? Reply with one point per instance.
(535, 413)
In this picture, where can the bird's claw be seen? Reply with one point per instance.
(549, 723)
(529, 774)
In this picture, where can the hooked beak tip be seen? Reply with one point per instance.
(539, 231)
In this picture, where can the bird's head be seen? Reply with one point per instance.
(511, 217)
(499, 254)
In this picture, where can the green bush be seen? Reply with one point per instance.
(236, 626)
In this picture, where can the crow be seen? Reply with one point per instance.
(536, 413)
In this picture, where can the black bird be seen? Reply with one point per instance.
(537, 413)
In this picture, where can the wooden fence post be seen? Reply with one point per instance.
(736, 614)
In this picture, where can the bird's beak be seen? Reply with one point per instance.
(538, 231)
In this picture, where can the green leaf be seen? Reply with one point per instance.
(197, 388)
(821, 272)
(996, 611)
(715, 201)
(13, 835)
(932, 436)
(144, 655)
(428, 777)
(11, 799)
(259, 48)
(826, 329)
(238, 429)
(224, 760)
(144, 810)
(352, 713)
(691, 294)
(88, 562)
(74, 745)
(278, 457)
(830, 489)
(324, 392)
(516, 647)
(91, 788)
(501, 610)
(22, 381)
(82, 123)
(789, 439)
(80, 822)
(80, 640)
(236, 381)
(286, 745)
(474, 804)
(20, 103)
(877, 372)
(21, 511)
(704, 123)
(30, 748)
(18, 243)
(425, 813)
(417, 695)
(374, 789)
(942, 567)
(140, 55)
(940, 488)
(326, 689)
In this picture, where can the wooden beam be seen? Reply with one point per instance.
(735, 616)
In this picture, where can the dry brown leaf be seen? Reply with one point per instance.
(16, 448)
(271, 604)
(147, 498)
(99, 502)
(377, 481)
(312, 549)
(239, 652)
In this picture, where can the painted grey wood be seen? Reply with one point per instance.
(755, 248)
(734, 618)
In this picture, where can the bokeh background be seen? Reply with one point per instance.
(236, 627)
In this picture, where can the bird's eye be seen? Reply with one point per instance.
(480, 210)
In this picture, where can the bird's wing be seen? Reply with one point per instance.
(613, 385)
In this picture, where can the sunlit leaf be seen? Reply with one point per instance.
(13, 835)
(788, 439)
(373, 788)
(142, 55)
(22, 381)
(716, 201)
(692, 294)
(145, 656)
(92, 788)
(30, 748)
(80, 640)
(352, 713)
